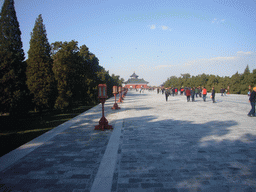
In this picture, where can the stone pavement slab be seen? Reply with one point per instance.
(155, 146)
(66, 158)
(187, 146)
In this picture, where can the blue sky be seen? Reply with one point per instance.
(156, 39)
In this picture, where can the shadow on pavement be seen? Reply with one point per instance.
(172, 155)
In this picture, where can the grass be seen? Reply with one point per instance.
(15, 132)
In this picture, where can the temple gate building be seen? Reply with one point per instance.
(135, 83)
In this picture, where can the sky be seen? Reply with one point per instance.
(156, 39)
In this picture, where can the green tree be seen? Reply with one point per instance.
(203, 78)
(212, 82)
(185, 75)
(40, 77)
(245, 80)
(13, 89)
(66, 68)
(91, 67)
(235, 83)
(254, 78)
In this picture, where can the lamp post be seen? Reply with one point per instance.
(102, 94)
(120, 95)
(123, 93)
(115, 106)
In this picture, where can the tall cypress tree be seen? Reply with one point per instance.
(12, 65)
(67, 72)
(40, 77)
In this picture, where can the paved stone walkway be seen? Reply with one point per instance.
(155, 146)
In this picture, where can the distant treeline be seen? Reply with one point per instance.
(238, 83)
(57, 76)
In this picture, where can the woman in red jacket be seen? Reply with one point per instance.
(204, 94)
(188, 93)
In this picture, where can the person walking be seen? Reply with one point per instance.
(252, 100)
(167, 93)
(193, 94)
(213, 95)
(204, 91)
(181, 91)
(221, 91)
(200, 91)
(196, 91)
(173, 91)
(188, 93)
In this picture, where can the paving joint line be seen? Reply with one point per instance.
(12, 157)
(104, 177)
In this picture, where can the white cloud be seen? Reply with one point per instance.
(152, 26)
(154, 68)
(164, 27)
(221, 58)
(162, 66)
(217, 21)
(218, 65)
(244, 53)
(216, 60)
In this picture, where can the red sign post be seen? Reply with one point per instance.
(120, 95)
(102, 94)
(115, 106)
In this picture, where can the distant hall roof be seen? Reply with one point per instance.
(136, 81)
(134, 75)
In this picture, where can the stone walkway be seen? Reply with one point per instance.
(155, 146)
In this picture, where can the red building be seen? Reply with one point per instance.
(135, 83)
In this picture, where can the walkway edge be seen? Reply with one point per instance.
(104, 177)
(16, 154)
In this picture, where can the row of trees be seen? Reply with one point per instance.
(54, 76)
(238, 83)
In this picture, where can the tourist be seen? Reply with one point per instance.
(188, 93)
(213, 95)
(200, 91)
(225, 92)
(167, 93)
(173, 91)
(204, 91)
(196, 91)
(193, 94)
(181, 91)
(221, 91)
(252, 100)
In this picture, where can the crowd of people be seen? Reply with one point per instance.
(192, 93)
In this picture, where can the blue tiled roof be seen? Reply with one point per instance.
(134, 75)
(132, 81)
